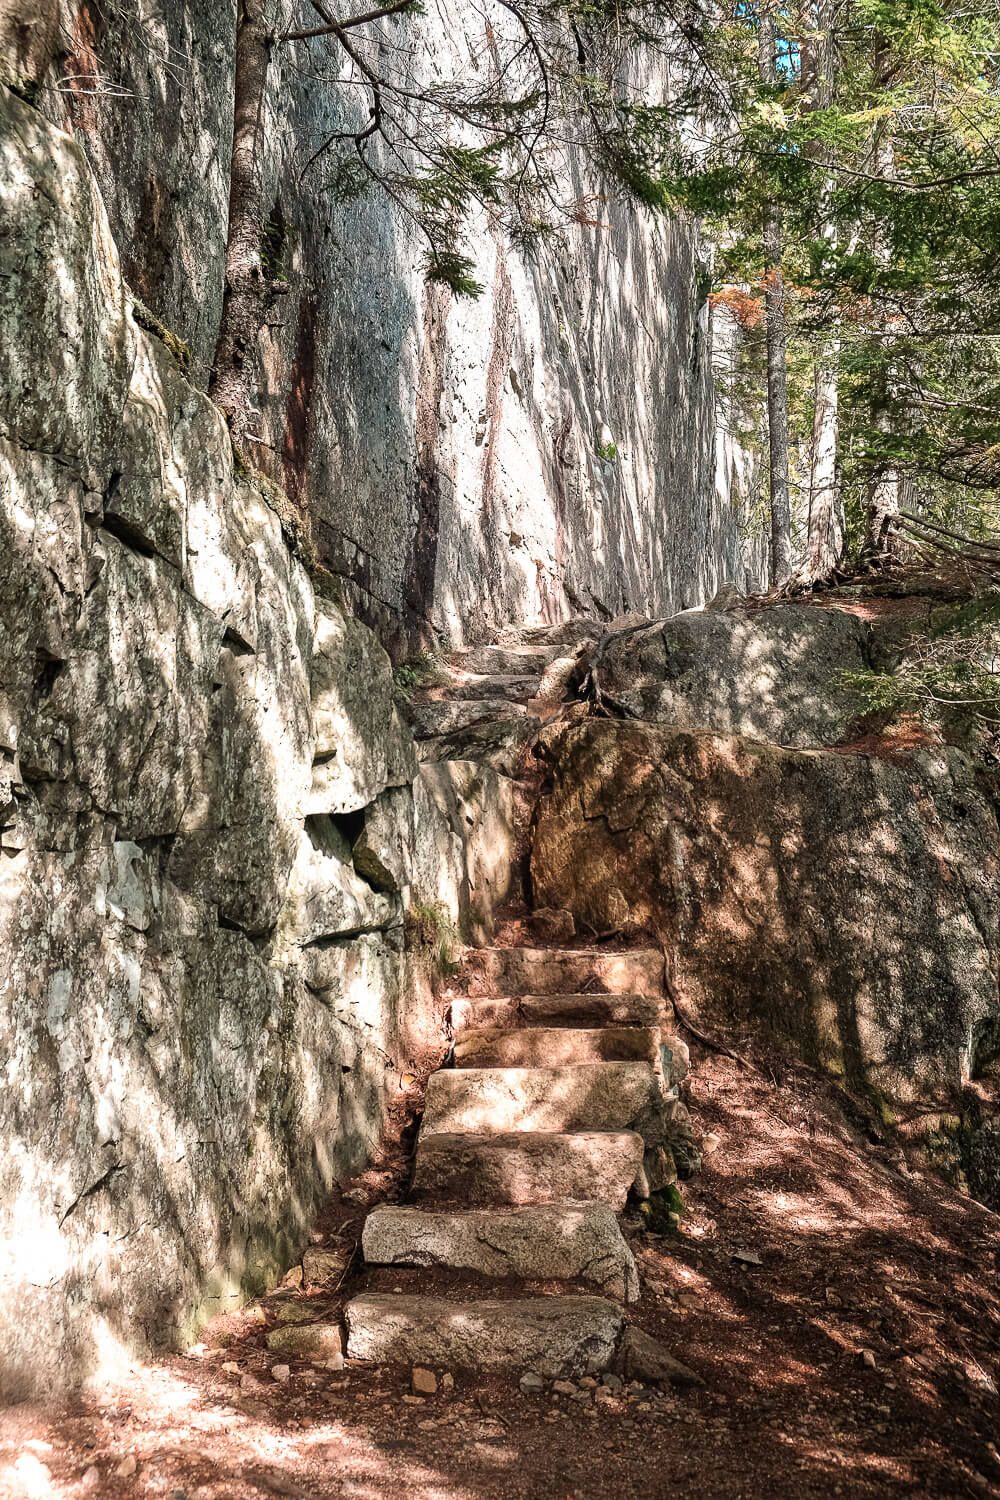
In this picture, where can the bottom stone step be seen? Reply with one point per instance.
(552, 1335)
(528, 1167)
(551, 1242)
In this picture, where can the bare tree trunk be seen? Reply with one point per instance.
(234, 374)
(882, 500)
(825, 539)
(826, 531)
(777, 341)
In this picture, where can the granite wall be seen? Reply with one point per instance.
(446, 451)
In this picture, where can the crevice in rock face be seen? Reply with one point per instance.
(418, 596)
(234, 642)
(258, 938)
(351, 825)
(344, 939)
(367, 866)
(302, 382)
(95, 1187)
(49, 670)
(130, 535)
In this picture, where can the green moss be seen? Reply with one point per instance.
(294, 522)
(176, 347)
(661, 1210)
(423, 670)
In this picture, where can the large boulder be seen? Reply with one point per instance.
(771, 673)
(848, 901)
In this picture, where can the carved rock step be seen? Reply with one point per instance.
(528, 1167)
(453, 684)
(566, 633)
(556, 1010)
(545, 1047)
(593, 1096)
(550, 1242)
(515, 661)
(553, 971)
(499, 744)
(552, 1335)
(448, 716)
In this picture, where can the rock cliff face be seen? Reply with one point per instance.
(847, 901)
(446, 452)
(212, 825)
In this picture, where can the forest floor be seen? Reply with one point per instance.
(859, 1358)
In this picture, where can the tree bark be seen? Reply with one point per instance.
(825, 530)
(884, 491)
(777, 341)
(234, 381)
(825, 537)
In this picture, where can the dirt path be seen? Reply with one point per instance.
(854, 1257)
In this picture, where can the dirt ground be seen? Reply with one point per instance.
(860, 1357)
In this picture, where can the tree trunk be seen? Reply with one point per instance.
(882, 503)
(777, 340)
(884, 496)
(825, 531)
(234, 381)
(825, 539)
(882, 500)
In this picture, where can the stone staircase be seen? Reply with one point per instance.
(487, 703)
(559, 1100)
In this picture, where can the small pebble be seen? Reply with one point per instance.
(280, 1373)
(127, 1467)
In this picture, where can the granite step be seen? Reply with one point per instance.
(555, 1011)
(591, 1096)
(551, 1335)
(513, 661)
(439, 716)
(499, 745)
(556, 1047)
(553, 971)
(549, 1242)
(565, 633)
(525, 1167)
(454, 684)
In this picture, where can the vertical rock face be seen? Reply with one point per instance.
(449, 453)
(204, 992)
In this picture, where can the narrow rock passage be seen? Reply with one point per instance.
(556, 1103)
